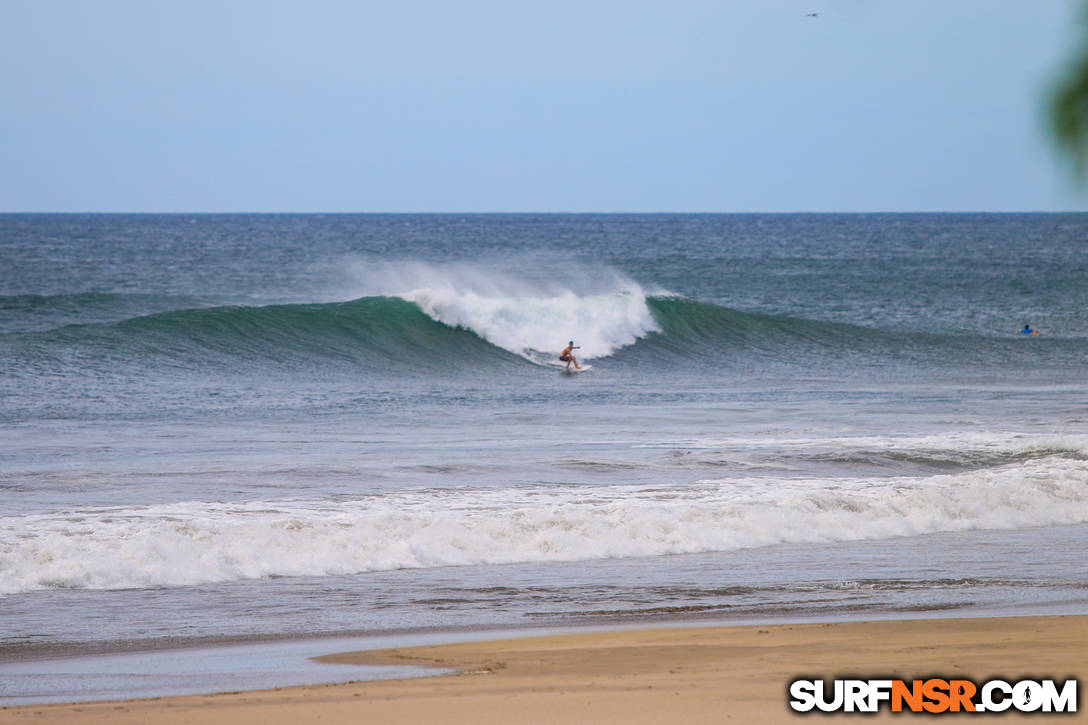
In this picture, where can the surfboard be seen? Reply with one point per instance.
(572, 370)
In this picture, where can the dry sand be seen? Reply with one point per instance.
(679, 675)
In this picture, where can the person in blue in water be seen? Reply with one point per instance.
(1028, 331)
(567, 356)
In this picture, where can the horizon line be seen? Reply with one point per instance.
(538, 212)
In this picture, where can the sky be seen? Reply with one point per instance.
(480, 106)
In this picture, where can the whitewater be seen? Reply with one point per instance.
(191, 543)
(262, 426)
(601, 307)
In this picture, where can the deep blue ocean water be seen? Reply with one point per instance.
(256, 426)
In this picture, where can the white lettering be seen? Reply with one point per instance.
(834, 704)
(803, 693)
(855, 695)
(1064, 701)
(879, 691)
(993, 696)
(989, 704)
(1027, 696)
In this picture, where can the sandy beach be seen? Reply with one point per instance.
(685, 674)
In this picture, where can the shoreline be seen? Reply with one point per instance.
(27, 652)
(649, 674)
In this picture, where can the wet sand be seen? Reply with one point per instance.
(665, 675)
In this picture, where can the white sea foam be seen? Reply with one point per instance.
(198, 542)
(997, 443)
(600, 309)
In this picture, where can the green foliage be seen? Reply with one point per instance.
(1069, 107)
(1069, 115)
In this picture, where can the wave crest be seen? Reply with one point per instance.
(600, 309)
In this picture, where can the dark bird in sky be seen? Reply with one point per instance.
(812, 15)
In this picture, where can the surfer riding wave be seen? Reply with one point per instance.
(567, 356)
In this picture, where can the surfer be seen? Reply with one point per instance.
(567, 356)
(1028, 331)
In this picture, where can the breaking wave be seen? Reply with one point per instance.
(421, 316)
(199, 542)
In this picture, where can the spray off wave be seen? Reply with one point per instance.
(421, 317)
(602, 310)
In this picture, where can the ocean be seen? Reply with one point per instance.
(229, 429)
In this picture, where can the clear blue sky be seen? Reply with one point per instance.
(332, 105)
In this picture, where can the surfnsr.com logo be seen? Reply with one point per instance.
(934, 695)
